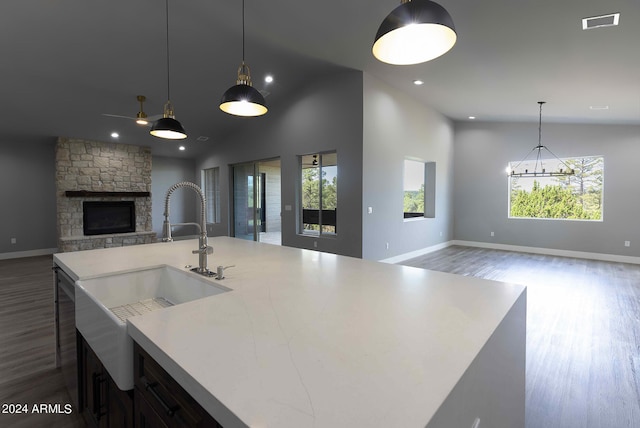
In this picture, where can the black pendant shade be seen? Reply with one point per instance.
(243, 100)
(414, 32)
(168, 128)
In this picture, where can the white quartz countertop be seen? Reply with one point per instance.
(310, 339)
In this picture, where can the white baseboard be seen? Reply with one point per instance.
(551, 251)
(30, 253)
(416, 253)
(517, 248)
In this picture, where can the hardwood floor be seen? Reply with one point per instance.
(27, 349)
(583, 336)
(583, 333)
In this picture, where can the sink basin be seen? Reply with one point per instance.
(103, 304)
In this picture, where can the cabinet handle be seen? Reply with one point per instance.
(97, 380)
(149, 386)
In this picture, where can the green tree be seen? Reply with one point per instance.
(414, 200)
(311, 194)
(587, 181)
(550, 201)
(310, 189)
(329, 193)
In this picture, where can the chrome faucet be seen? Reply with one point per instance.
(203, 248)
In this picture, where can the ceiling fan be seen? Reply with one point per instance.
(141, 117)
(309, 161)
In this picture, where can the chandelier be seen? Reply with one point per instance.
(561, 169)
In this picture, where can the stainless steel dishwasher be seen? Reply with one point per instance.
(65, 329)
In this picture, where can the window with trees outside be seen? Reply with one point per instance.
(419, 189)
(572, 197)
(319, 186)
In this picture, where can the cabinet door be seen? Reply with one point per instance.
(120, 406)
(93, 388)
(146, 417)
(102, 403)
(165, 396)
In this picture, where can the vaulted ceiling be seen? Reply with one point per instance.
(65, 63)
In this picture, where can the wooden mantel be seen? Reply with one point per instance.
(90, 194)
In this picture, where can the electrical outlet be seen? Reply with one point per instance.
(315, 244)
(386, 245)
(13, 241)
(493, 234)
(627, 243)
(369, 210)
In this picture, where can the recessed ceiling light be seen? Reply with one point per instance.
(268, 79)
(182, 148)
(472, 117)
(114, 135)
(598, 107)
(418, 82)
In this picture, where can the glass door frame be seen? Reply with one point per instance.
(257, 188)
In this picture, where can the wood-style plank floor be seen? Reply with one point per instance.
(583, 333)
(27, 350)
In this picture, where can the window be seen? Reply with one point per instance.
(573, 197)
(419, 189)
(211, 189)
(319, 186)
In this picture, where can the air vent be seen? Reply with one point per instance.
(610, 20)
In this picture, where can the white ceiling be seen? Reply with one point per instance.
(66, 62)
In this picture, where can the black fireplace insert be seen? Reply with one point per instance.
(104, 217)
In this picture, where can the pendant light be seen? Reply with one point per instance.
(539, 169)
(168, 127)
(414, 32)
(243, 99)
(141, 116)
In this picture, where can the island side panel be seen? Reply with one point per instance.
(493, 387)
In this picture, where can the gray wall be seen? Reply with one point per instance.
(324, 115)
(482, 151)
(28, 190)
(396, 126)
(185, 203)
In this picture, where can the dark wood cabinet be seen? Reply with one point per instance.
(160, 401)
(146, 417)
(102, 403)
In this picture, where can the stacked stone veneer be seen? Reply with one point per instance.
(101, 167)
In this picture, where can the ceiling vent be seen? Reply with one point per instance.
(610, 20)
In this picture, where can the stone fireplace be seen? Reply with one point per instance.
(113, 177)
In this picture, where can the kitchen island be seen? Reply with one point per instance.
(310, 339)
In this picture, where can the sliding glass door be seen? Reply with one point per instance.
(256, 201)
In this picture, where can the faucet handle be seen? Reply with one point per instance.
(203, 250)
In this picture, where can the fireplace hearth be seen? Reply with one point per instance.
(107, 217)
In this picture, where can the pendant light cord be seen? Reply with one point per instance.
(243, 31)
(168, 87)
